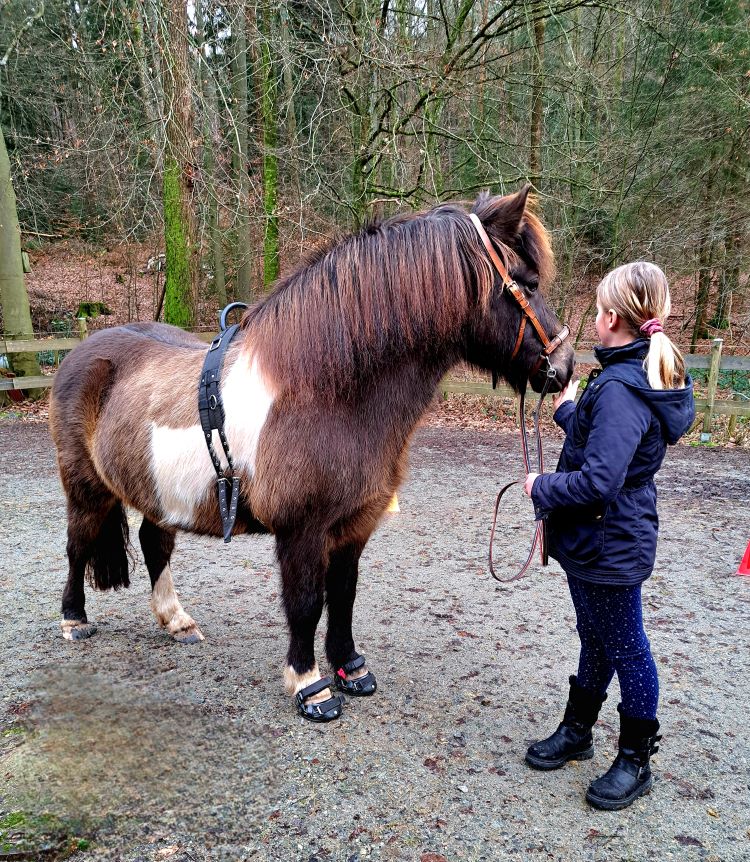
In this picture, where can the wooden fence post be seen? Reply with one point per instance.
(83, 328)
(713, 380)
(732, 426)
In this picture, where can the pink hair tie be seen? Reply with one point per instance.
(652, 326)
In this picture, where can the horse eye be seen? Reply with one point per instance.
(531, 285)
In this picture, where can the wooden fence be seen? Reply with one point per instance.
(709, 406)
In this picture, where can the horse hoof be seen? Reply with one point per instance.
(360, 686)
(327, 710)
(192, 635)
(75, 630)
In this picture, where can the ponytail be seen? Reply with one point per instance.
(664, 365)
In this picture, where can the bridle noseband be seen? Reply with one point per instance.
(527, 312)
(550, 345)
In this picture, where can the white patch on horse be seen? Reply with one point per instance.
(181, 466)
(168, 610)
(294, 682)
(182, 471)
(247, 400)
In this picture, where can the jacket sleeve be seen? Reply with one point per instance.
(564, 415)
(619, 419)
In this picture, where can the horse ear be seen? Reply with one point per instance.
(511, 209)
(505, 213)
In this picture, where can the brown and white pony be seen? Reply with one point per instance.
(322, 389)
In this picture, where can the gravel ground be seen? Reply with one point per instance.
(149, 750)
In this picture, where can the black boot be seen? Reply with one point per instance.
(630, 775)
(572, 740)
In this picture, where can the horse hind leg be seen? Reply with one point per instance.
(98, 548)
(157, 545)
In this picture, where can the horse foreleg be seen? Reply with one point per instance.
(302, 582)
(157, 545)
(341, 589)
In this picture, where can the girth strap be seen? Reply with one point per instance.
(211, 411)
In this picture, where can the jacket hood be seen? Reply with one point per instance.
(674, 408)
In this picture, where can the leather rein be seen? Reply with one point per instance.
(550, 345)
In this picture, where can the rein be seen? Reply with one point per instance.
(540, 532)
(550, 345)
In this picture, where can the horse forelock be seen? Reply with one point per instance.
(407, 283)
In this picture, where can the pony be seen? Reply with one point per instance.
(322, 387)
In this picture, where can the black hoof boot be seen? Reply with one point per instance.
(572, 740)
(363, 686)
(328, 710)
(630, 775)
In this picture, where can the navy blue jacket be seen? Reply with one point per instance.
(600, 505)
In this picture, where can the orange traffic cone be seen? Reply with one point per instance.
(744, 568)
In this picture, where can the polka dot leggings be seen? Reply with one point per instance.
(610, 626)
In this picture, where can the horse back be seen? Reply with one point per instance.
(131, 351)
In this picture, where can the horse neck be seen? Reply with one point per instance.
(394, 398)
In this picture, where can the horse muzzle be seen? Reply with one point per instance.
(554, 368)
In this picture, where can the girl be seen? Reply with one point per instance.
(600, 507)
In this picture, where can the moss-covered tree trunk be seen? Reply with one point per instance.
(181, 285)
(13, 296)
(240, 154)
(269, 109)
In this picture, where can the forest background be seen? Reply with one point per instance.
(168, 157)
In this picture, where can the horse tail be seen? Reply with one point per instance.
(110, 558)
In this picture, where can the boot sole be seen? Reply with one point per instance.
(544, 765)
(605, 804)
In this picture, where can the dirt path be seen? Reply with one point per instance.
(129, 747)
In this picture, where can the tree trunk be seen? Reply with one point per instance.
(211, 139)
(13, 296)
(537, 106)
(270, 158)
(243, 285)
(149, 91)
(181, 294)
(729, 282)
(704, 289)
(214, 226)
(290, 116)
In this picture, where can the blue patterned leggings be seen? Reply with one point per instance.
(610, 626)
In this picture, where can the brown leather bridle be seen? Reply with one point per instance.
(527, 312)
(550, 345)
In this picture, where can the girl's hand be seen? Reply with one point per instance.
(567, 394)
(529, 483)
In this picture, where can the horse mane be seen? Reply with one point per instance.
(409, 282)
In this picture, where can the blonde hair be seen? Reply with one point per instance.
(638, 292)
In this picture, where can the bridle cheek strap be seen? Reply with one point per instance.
(528, 312)
(519, 340)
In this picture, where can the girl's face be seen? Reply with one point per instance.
(611, 329)
(603, 331)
